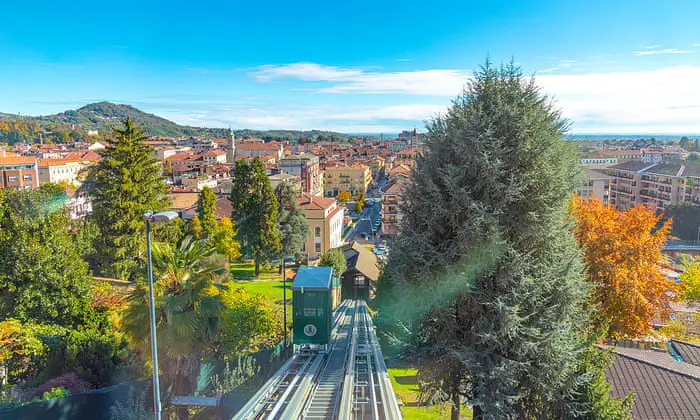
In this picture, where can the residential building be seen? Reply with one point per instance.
(198, 183)
(165, 152)
(664, 387)
(325, 219)
(657, 185)
(68, 171)
(256, 149)
(78, 203)
(306, 167)
(598, 161)
(214, 157)
(626, 177)
(353, 179)
(596, 185)
(19, 172)
(391, 213)
(407, 157)
(293, 180)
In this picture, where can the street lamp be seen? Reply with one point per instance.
(284, 296)
(150, 217)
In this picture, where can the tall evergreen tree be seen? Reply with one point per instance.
(206, 210)
(488, 272)
(255, 211)
(43, 277)
(125, 184)
(292, 223)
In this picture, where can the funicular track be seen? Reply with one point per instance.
(350, 380)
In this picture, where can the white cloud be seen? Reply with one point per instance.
(435, 82)
(664, 51)
(562, 65)
(654, 101)
(665, 100)
(652, 47)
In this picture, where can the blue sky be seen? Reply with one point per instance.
(362, 66)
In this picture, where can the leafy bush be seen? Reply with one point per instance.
(101, 359)
(20, 350)
(250, 322)
(55, 393)
(69, 382)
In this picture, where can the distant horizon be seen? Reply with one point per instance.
(571, 136)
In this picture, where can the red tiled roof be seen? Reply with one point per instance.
(224, 208)
(84, 155)
(395, 188)
(664, 388)
(257, 146)
(17, 160)
(312, 202)
(57, 162)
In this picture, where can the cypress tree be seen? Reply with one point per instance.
(255, 211)
(125, 184)
(206, 210)
(485, 273)
(292, 223)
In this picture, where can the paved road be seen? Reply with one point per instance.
(367, 219)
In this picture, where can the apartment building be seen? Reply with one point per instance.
(19, 172)
(69, 171)
(657, 185)
(391, 201)
(248, 149)
(325, 219)
(307, 168)
(596, 185)
(353, 179)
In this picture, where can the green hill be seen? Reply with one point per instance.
(102, 115)
(74, 125)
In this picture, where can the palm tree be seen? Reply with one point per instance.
(188, 312)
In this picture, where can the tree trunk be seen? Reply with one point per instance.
(456, 407)
(257, 268)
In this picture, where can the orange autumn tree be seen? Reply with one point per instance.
(622, 252)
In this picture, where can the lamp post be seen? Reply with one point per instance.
(150, 217)
(284, 297)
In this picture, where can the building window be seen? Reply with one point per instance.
(12, 178)
(27, 177)
(317, 247)
(317, 232)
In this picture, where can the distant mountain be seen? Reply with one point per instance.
(103, 116)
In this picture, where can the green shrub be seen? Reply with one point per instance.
(98, 358)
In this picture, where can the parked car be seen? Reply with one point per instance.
(363, 235)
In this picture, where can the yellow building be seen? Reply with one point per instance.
(353, 179)
(325, 219)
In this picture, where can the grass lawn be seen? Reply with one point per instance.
(407, 390)
(246, 271)
(269, 284)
